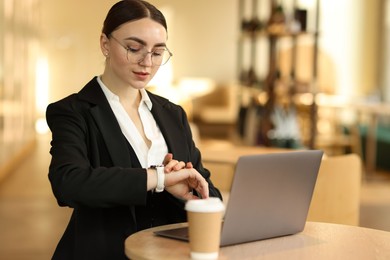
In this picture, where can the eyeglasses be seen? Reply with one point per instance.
(159, 56)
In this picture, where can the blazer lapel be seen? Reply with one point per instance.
(107, 123)
(173, 132)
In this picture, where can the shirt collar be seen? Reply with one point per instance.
(146, 99)
(111, 96)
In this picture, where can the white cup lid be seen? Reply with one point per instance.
(205, 205)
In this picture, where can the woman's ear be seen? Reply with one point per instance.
(104, 45)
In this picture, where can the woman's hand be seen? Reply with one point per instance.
(174, 165)
(181, 179)
(181, 184)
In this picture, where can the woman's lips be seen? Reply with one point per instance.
(142, 75)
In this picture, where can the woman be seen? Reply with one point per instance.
(107, 137)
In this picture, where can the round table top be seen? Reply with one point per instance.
(316, 241)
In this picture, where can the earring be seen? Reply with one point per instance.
(106, 54)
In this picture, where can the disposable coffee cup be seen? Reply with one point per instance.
(204, 225)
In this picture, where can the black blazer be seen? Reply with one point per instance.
(95, 171)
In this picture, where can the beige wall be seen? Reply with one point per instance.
(70, 37)
(349, 37)
(385, 75)
(370, 61)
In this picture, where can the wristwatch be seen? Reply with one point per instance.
(160, 177)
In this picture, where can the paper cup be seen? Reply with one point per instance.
(204, 223)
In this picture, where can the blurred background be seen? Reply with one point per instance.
(292, 74)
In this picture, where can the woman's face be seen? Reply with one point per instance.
(126, 44)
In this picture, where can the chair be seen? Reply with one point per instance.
(336, 197)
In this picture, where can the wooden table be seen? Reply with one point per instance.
(221, 157)
(227, 153)
(317, 241)
(374, 111)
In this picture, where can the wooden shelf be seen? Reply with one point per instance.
(273, 29)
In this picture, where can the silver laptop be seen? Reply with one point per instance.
(270, 197)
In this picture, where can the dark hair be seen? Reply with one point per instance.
(130, 10)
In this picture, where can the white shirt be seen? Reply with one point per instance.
(158, 149)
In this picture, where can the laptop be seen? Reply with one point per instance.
(270, 197)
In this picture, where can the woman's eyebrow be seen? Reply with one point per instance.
(140, 41)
